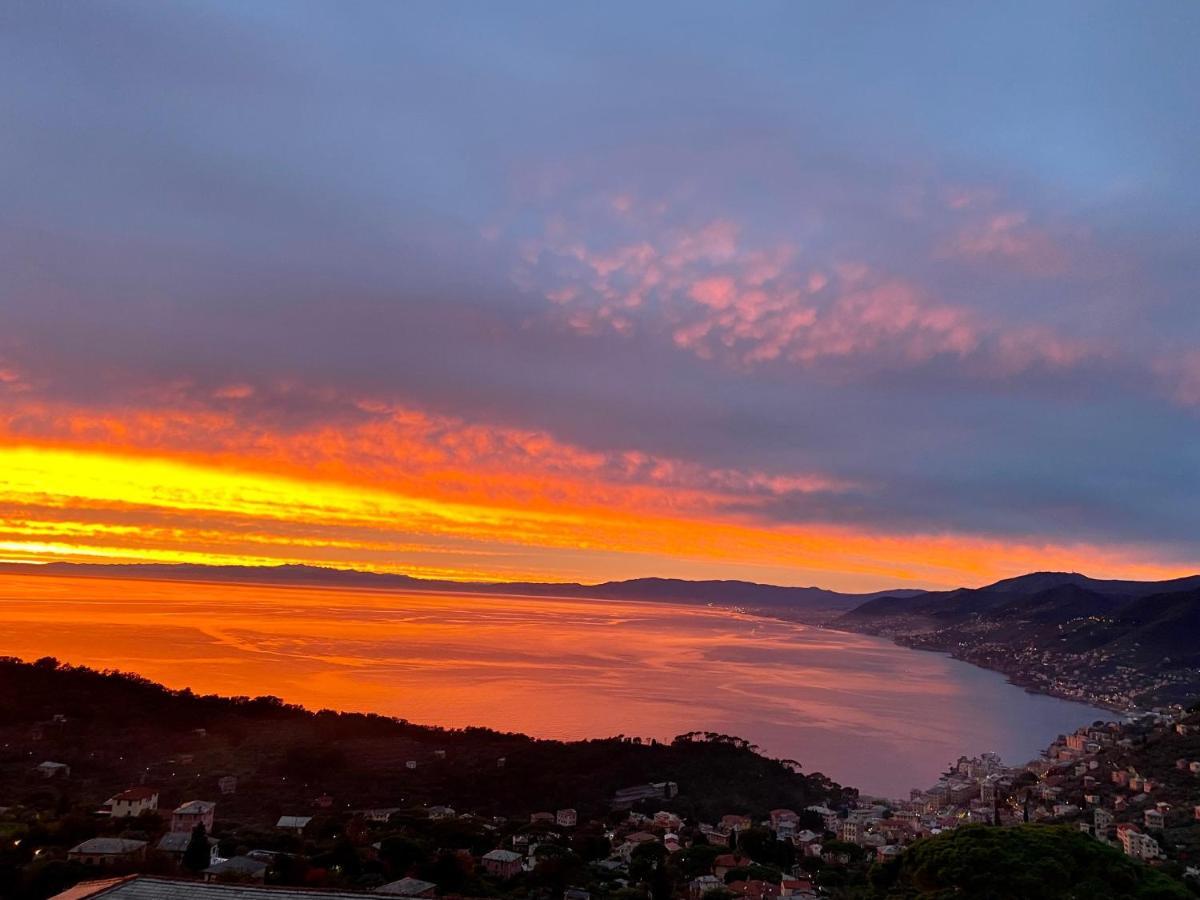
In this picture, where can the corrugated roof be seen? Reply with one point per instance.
(502, 856)
(106, 845)
(143, 887)
(406, 887)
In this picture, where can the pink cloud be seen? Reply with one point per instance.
(714, 294)
(1008, 237)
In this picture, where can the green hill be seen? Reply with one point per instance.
(1025, 862)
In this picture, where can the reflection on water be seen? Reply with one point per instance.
(861, 710)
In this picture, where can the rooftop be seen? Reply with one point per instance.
(145, 887)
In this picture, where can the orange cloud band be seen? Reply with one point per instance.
(434, 497)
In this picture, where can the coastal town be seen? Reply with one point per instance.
(1097, 677)
(1132, 785)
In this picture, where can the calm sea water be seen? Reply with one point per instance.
(862, 710)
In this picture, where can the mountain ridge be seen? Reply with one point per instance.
(821, 602)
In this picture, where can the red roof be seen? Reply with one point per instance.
(136, 793)
(86, 889)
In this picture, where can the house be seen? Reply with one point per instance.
(173, 844)
(1154, 818)
(805, 837)
(783, 815)
(728, 861)
(1136, 844)
(502, 863)
(195, 812)
(408, 887)
(132, 802)
(293, 823)
(755, 890)
(886, 853)
(104, 851)
(50, 769)
(734, 823)
(797, 889)
(227, 784)
(667, 820)
(567, 818)
(238, 868)
(441, 812)
(545, 818)
(828, 816)
(698, 887)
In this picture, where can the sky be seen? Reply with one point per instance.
(857, 295)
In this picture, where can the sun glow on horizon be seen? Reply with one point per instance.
(92, 505)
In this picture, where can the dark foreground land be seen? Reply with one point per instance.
(705, 817)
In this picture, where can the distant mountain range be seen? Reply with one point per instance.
(1154, 618)
(808, 604)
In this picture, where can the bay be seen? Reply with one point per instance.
(862, 710)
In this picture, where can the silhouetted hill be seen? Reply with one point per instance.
(1115, 642)
(800, 603)
(117, 730)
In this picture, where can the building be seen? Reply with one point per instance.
(293, 823)
(238, 868)
(1154, 818)
(132, 802)
(174, 844)
(227, 784)
(1136, 844)
(408, 887)
(103, 851)
(667, 820)
(726, 862)
(50, 769)
(828, 817)
(567, 818)
(193, 813)
(698, 887)
(502, 863)
(661, 790)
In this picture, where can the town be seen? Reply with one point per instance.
(196, 818)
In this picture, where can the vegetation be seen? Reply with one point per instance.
(1023, 862)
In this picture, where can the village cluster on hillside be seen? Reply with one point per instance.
(1122, 783)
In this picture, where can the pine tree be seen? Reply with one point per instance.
(197, 857)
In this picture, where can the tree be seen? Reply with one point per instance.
(196, 856)
(1030, 862)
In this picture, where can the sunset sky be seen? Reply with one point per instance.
(858, 295)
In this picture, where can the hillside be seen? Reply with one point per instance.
(1024, 862)
(118, 727)
(1118, 643)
